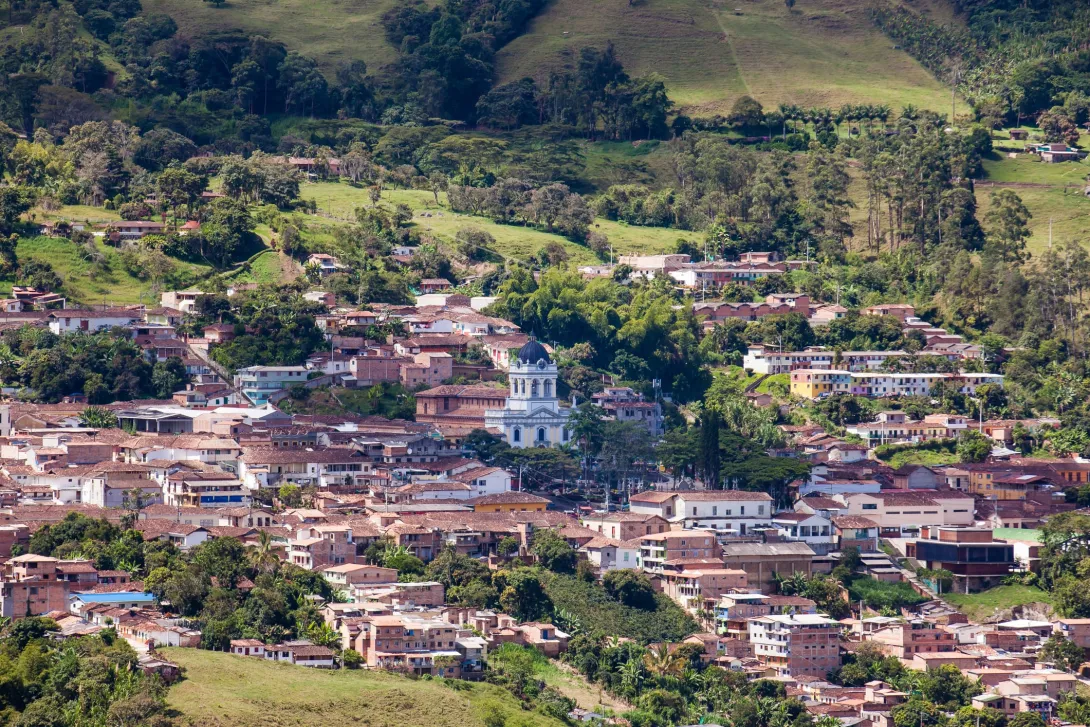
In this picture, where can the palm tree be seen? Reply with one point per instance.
(662, 662)
(262, 557)
(322, 634)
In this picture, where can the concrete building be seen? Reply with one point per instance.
(258, 383)
(797, 645)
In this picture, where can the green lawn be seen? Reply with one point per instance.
(821, 53)
(989, 603)
(223, 690)
(521, 243)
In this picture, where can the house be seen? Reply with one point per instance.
(729, 511)
(507, 502)
(219, 332)
(901, 513)
(811, 528)
(74, 320)
(657, 550)
(623, 404)
(607, 554)
(326, 264)
(856, 531)
(258, 383)
(1053, 153)
(434, 285)
(972, 555)
(624, 525)
(905, 639)
(427, 369)
(132, 230)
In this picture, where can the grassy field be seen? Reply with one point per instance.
(1029, 169)
(222, 689)
(987, 604)
(521, 243)
(330, 31)
(113, 286)
(710, 52)
(1068, 210)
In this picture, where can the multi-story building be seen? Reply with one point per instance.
(908, 638)
(328, 469)
(622, 404)
(625, 525)
(729, 511)
(658, 549)
(258, 383)
(971, 554)
(899, 512)
(810, 528)
(700, 588)
(411, 645)
(205, 489)
(798, 644)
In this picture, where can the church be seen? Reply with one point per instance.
(532, 416)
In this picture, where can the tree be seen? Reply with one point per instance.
(1063, 652)
(227, 224)
(973, 446)
(507, 546)
(178, 186)
(553, 551)
(630, 587)
(97, 418)
(1008, 227)
(169, 377)
(522, 595)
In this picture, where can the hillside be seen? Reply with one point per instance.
(710, 52)
(221, 689)
(339, 200)
(330, 31)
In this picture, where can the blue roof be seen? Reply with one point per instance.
(119, 597)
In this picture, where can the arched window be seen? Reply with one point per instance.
(514, 388)
(548, 389)
(533, 389)
(516, 435)
(522, 386)
(541, 434)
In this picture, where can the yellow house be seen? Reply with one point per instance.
(508, 502)
(815, 383)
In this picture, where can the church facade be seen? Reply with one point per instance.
(532, 416)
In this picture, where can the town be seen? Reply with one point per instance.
(421, 538)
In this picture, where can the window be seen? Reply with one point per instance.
(715, 510)
(694, 510)
(742, 510)
(870, 506)
(541, 432)
(516, 435)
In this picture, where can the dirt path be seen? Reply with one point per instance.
(587, 696)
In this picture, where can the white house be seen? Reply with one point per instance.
(732, 512)
(72, 320)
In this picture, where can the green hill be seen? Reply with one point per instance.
(222, 689)
(820, 53)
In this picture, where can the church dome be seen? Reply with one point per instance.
(532, 352)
